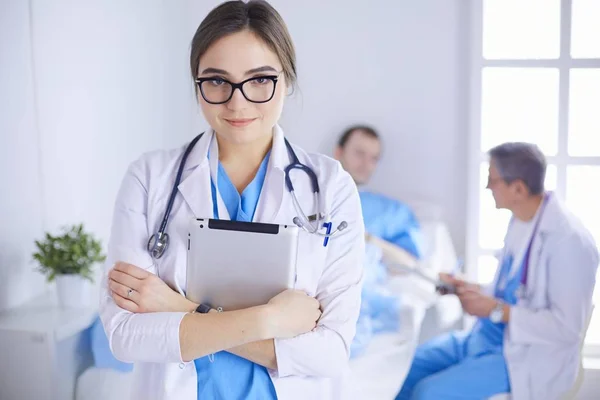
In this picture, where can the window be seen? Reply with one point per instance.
(535, 78)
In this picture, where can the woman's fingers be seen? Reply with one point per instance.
(132, 270)
(123, 291)
(125, 279)
(124, 303)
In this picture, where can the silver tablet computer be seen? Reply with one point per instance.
(237, 265)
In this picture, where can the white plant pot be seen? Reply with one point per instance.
(73, 291)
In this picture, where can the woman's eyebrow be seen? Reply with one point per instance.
(264, 68)
(214, 71)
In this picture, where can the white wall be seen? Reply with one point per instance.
(106, 80)
(110, 83)
(21, 199)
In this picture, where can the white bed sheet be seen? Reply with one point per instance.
(381, 370)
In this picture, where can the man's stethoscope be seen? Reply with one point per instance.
(159, 242)
(522, 289)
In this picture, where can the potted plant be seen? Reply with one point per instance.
(69, 258)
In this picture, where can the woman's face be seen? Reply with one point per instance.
(236, 58)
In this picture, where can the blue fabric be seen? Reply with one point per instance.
(393, 221)
(230, 376)
(380, 310)
(103, 357)
(487, 334)
(240, 208)
(446, 368)
(465, 365)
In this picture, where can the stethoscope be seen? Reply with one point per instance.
(522, 289)
(159, 241)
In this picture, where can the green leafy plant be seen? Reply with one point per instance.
(72, 252)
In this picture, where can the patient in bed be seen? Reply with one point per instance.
(390, 224)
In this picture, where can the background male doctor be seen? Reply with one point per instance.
(532, 319)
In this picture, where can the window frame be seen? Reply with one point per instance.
(475, 155)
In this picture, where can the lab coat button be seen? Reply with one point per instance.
(181, 365)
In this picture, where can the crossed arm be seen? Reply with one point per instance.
(139, 291)
(160, 328)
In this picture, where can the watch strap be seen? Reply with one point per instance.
(203, 308)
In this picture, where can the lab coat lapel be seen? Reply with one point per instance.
(271, 195)
(195, 186)
(536, 252)
(213, 163)
(547, 225)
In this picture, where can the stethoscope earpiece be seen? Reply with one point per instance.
(297, 222)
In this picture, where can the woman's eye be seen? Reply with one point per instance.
(217, 82)
(260, 81)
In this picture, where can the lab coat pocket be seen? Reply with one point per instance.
(310, 262)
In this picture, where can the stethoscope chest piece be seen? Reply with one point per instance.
(158, 243)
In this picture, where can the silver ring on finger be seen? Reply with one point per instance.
(129, 291)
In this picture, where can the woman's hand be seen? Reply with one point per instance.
(293, 313)
(137, 290)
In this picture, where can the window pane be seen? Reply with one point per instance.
(486, 269)
(593, 333)
(583, 197)
(493, 222)
(584, 115)
(520, 104)
(585, 29)
(521, 29)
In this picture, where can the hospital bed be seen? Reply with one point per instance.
(379, 372)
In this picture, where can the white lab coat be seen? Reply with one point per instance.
(543, 337)
(310, 366)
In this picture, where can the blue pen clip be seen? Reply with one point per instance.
(327, 226)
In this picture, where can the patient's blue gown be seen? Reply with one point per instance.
(393, 221)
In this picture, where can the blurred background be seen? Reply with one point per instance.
(87, 86)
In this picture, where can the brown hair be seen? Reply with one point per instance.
(356, 128)
(259, 17)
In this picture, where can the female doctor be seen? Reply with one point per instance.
(243, 63)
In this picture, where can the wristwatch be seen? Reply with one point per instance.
(203, 308)
(497, 313)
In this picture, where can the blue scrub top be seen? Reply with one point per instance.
(230, 376)
(486, 335)
(392, 221)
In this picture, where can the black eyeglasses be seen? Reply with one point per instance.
(217, 90)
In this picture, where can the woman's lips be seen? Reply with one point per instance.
(241, 122)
